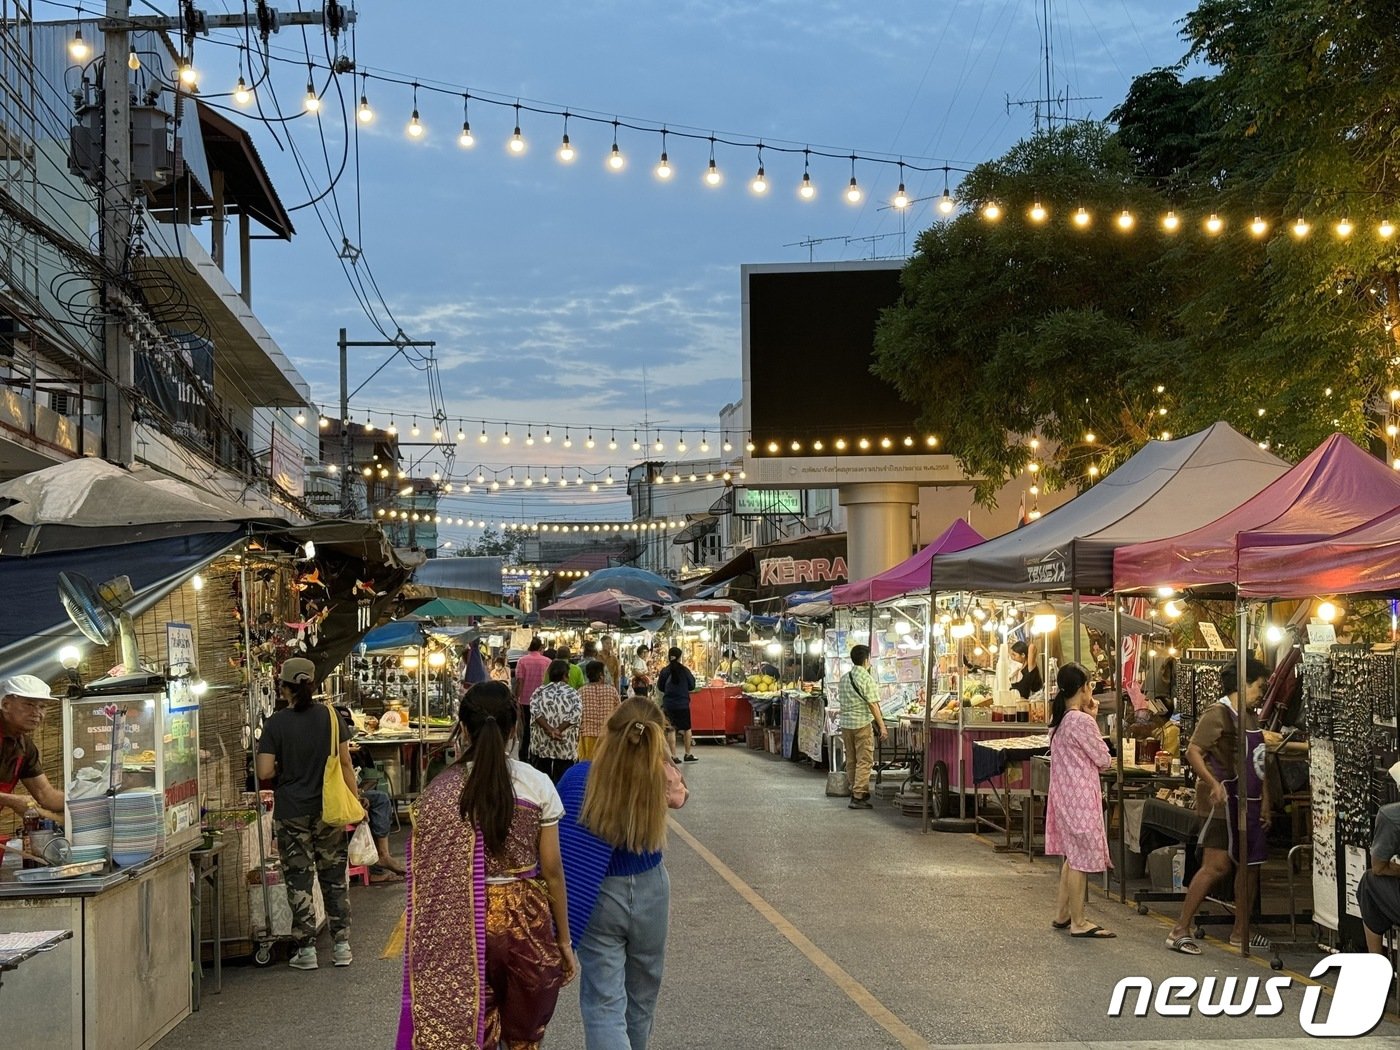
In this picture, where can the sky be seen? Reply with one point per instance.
(568, 294)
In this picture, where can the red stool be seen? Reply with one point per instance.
(355, 871)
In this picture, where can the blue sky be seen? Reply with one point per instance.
(550, 287)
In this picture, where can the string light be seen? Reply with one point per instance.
(760, 182)
(615, 158)
(589, 442)
(1385, 230)
(712, 174)
(568, 441)
(991, 211)
(363, 113)
(1038, 212)
(78, 47)
(612, 440)
(1126, 221)
(636, 445)
(415, 126)
(517, 141)
(566, 148)
(900, 201)
(663, 166)
(1344, 228)
(1258, 227)
(1214, 224)
(312, 102)
(853, 193)
(806, 190)
(188, 75)
(1300, 227)
(1081, 218)
(242, 94)
(466, 139)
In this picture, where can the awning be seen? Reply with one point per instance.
(394, 635)
(781, 568)
(450, 609)
(912, 574)
(479, 575)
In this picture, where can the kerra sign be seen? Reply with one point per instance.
(786, 572)
(1052, 569)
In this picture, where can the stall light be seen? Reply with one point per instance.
(1328, 611)
(901, 627)
(409, 662)
(199, 687)
(1273, 634)
(69, 656)
(1044, 619)
(1172, 609)
(437, 658)
(197, 582)
(773, 648)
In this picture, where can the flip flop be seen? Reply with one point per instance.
(1097, 933)
(381, 875)
(1184, 945)
(1256, 941)
(1060, 925)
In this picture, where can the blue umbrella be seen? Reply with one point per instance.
(638, 583)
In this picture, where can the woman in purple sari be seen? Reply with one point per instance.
(486, 947)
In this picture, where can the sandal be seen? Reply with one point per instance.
(1257, 941)
(1060, 925)
(1097, 933)
(1183, 944)
(380, 875)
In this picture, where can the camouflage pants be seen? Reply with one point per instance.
(313, 850)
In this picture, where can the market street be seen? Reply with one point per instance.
(866, 933)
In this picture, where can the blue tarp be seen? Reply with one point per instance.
(396, 634)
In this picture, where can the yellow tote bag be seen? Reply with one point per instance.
(339, 805)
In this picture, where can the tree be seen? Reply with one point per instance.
(492, 544)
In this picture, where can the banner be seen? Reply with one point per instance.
(178, 375)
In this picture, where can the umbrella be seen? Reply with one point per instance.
(610, 606)
(635, 583)
(451, 609)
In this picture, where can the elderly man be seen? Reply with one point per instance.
(22, 706)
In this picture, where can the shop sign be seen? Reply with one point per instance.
(755, 502)
(1358, 1001)
(787, 572)
(179, 648)
(1049, 570)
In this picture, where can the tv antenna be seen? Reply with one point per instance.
(1052, 99)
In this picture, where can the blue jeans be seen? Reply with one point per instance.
(381, 813)
(622, 954)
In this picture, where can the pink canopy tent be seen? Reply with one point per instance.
(1336, 488)
(912, 574)
(1365, 560)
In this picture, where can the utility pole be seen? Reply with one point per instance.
(119, 185)
(399, 345)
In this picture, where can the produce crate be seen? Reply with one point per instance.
(753, 736)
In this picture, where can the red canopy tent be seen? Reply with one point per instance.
(912, 574)
(1336, 488)
(1365, 560)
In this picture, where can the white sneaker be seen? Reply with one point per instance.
(343, 955)
(305, 958)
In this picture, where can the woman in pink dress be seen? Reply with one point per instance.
(1074, 810)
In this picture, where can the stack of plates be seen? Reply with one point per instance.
(136, 827)
(90, 821)
(86, 854)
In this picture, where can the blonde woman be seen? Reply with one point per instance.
(611, 838)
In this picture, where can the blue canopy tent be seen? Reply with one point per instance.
(396, 634)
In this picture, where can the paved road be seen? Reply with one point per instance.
(797, 923)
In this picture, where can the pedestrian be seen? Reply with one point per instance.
(486, 938)
(1378, 894)
(530, 672)
(1074, 827)
(294, 747)
(613, 835)
(1213, 754)
(576, 679)
(676, 683)
(861, 721)
(557, 711)
(640, 672)
(600, 700)
(612, 664)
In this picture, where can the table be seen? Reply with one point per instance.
(989, 760)
(391, 751)
(207, 866)
(15, 948)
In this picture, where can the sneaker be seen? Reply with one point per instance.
(305, 958)
(676, 760)
(692, 758)
(860, 803)
(343, 955)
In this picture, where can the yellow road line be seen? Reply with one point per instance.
(393, 947)
(853, 989)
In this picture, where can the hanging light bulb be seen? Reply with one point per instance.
(505, 436)
(760, 182)
(1344, 228)
(566, 148)
(853, 193)
(1300, 227)
(728, 445)
(242, 94)
(1258, 227)
(1170, 222)
(1386, 229)
(704, 442)
(660, 445)
(663, 166)
(991, 211)
(589, 442)
(946, 204)
(1215, 223)
(615, 158)
(391, 429)
(901, 198)
(1038, 212)
(612, 440)
(414, 429)
(517, 141)
(188, 75)
(1126, 221)
(133, 60)
(636, 445)
(529, 436)
(312, 102)
(78, 47)
(1081, 218)
(415, 126)
(568, 441)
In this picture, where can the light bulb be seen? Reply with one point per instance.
(364, 114)
(461, 435)
(415, 127)
(1301, 227)
(612, 444)
(529, 437)
(680, 445)
(663, 167)
(806, 191)
(615, 159)
(1126, 220)
(466, 139)
(323, 422)
(589, 442)
(242, 94)
(188, 76)
(1258, 227)
(886, 442)
(1386, 229)
(864, 443)
(840, 444)
(482, 438)
(712, 175)
(1214, 224)
(1344, 228)
(517, 141)
(1170, 222)
(853, 193)
(568, 441)
(78, 47)
(133, 61)
(566, 150)
(548, 437)
(1038, 212)
(728, 445)
(636, 445)
(901, 199)
(760, 182)
(992, 211)
(505, 437)
(946, 204)
(1081, 218)
(312, 102)
(704, 443)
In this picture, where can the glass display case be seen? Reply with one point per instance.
(139, 734)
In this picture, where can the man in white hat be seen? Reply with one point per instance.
(1379, 891)
(23, 701)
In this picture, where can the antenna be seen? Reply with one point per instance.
(1050, 100)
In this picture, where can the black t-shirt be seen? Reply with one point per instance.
(301, 743)
(1029, 682)
(19, 758)
(676, 683)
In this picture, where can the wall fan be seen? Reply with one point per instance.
(100, 613)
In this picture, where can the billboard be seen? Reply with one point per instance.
(816, 414)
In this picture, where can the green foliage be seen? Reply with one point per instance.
(492, 544)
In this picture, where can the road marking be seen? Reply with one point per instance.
(853, 989)
(393, 947)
